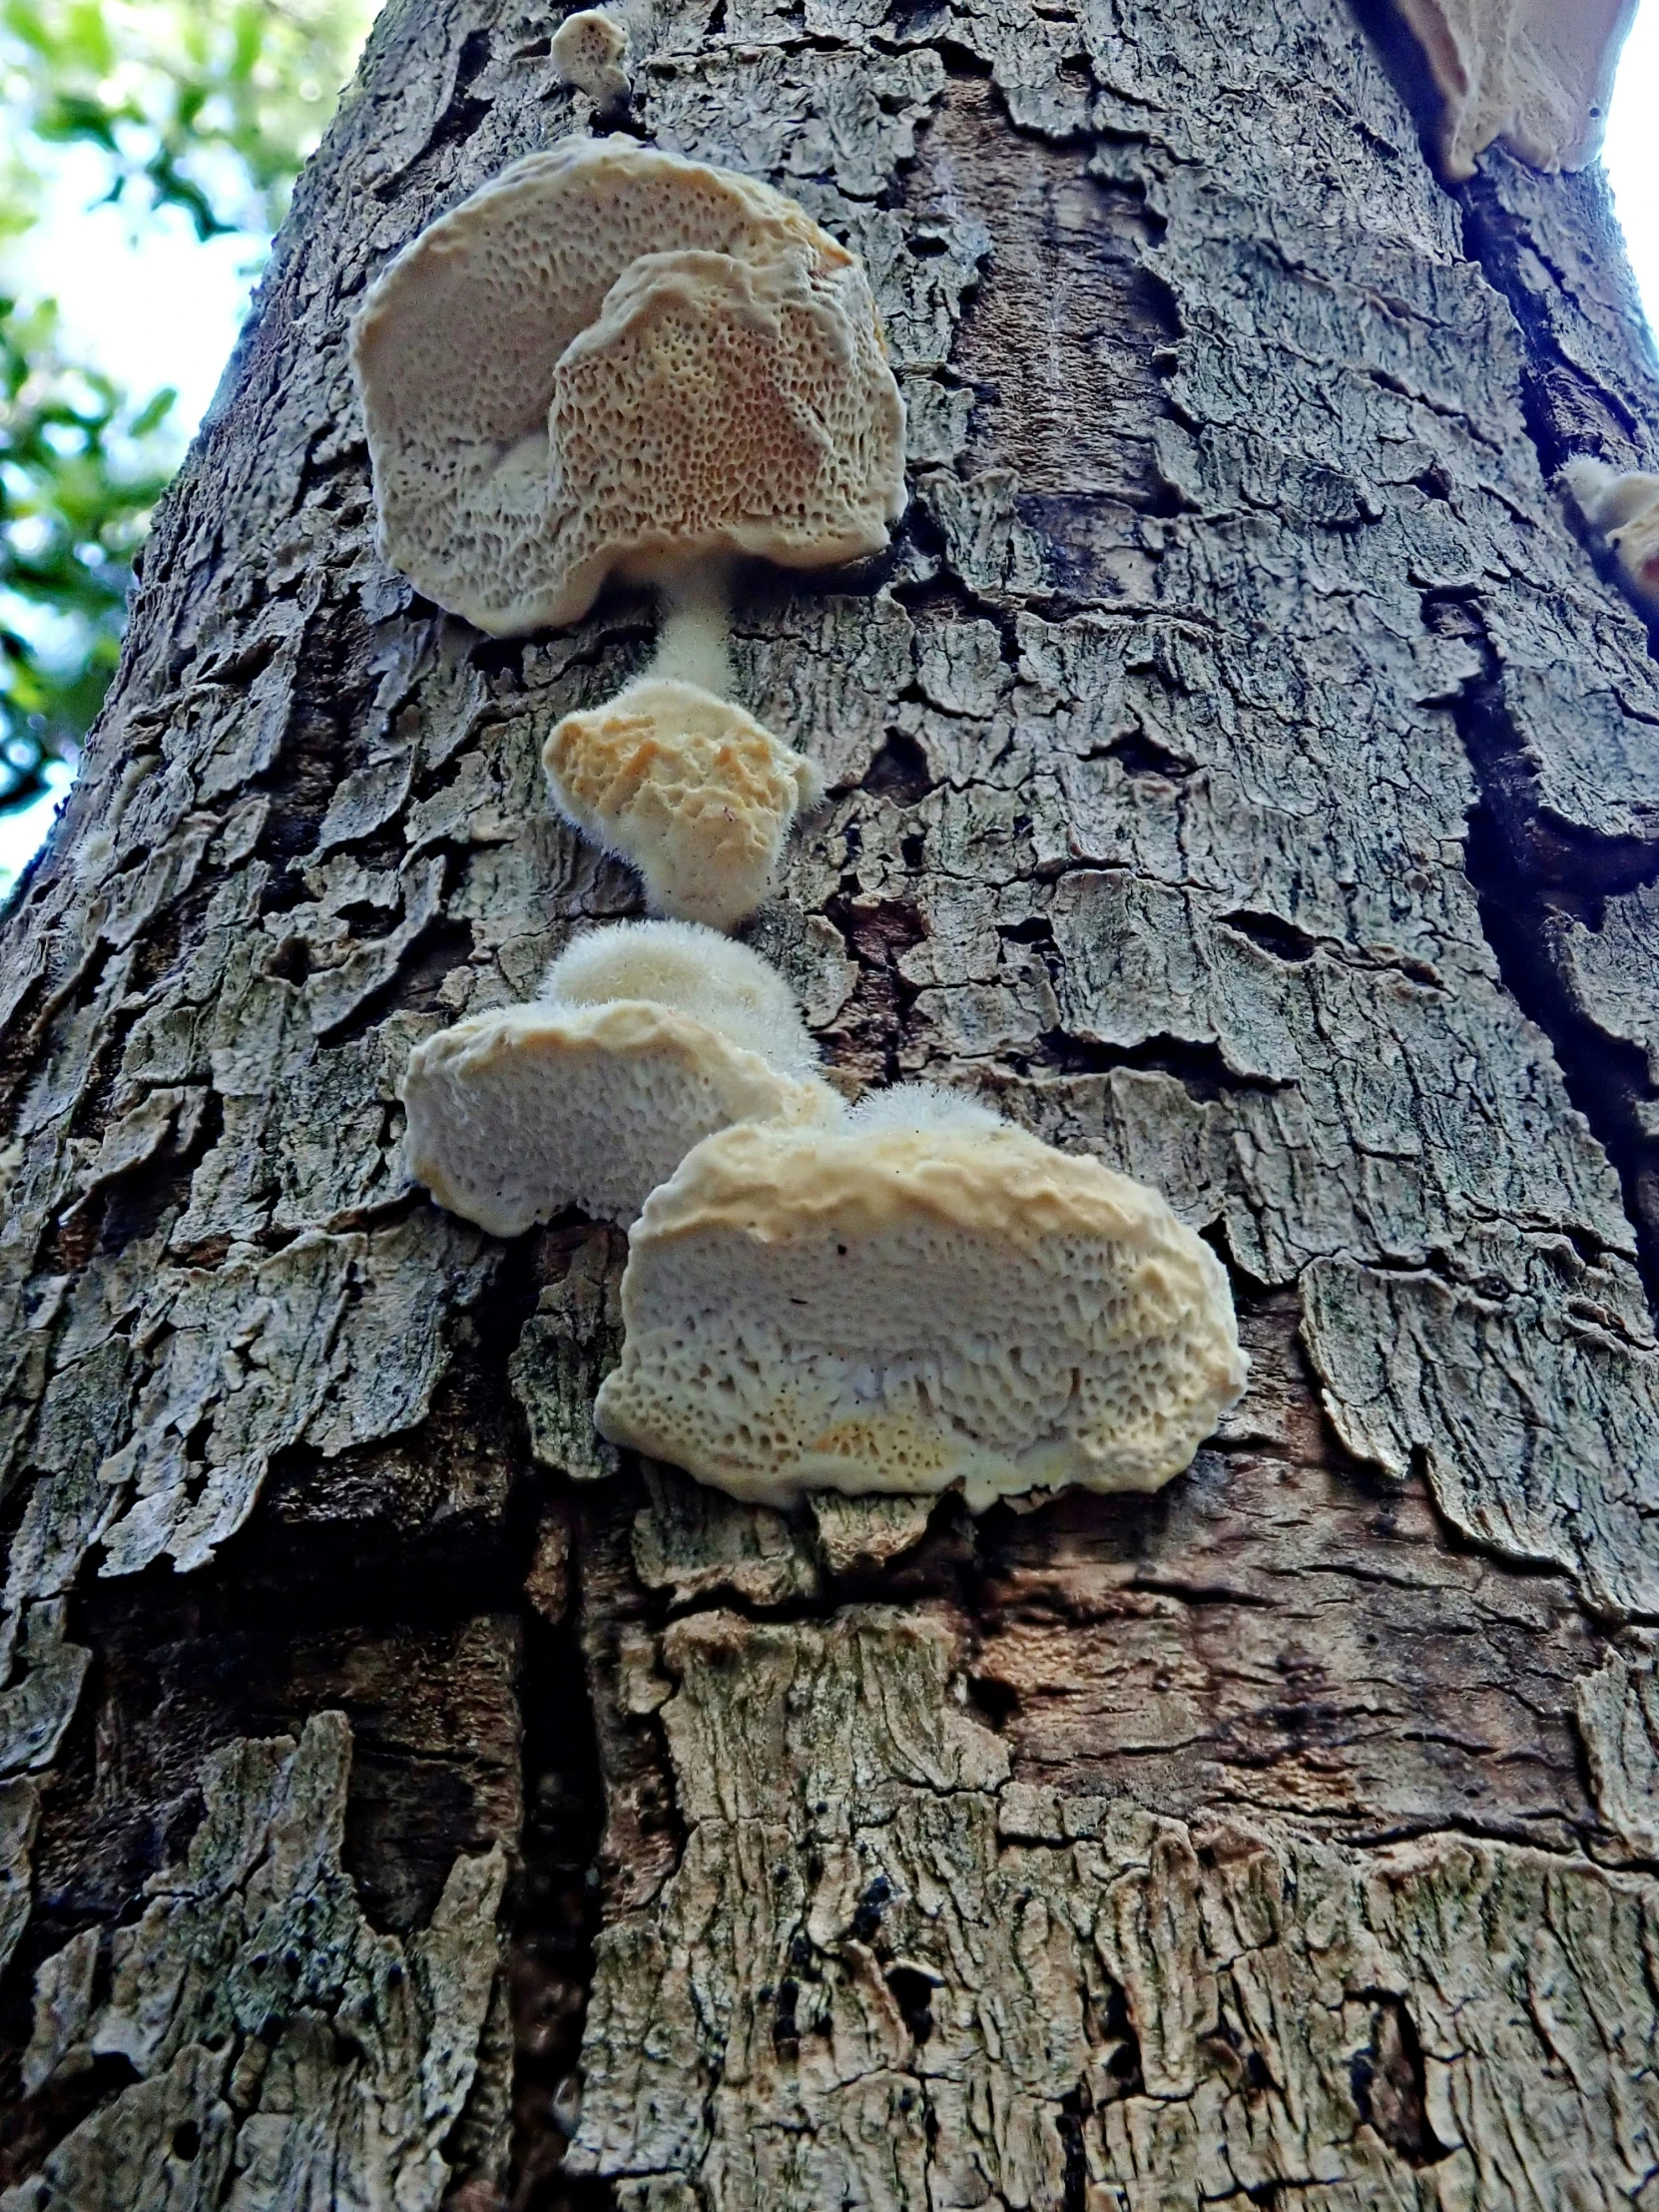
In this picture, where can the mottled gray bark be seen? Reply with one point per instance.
(1239, 769)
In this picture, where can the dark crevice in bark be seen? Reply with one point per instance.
(899, 770)
(30, 2127)
(552, 1916)
(1390, 2086)
(415, 985)
(465, 112)
(1073, 2111)
(1200, 1069)
(868, 1031)
(1565, 408)
(1402, 56)
(1531, 872)
(1515, 861)
(1606, 1077)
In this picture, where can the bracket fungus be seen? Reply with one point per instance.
(614, 361)
(689, 788)
(1624, 506)
(645, 1037)
(915, 1297)
(1536, 73)
(590, 54)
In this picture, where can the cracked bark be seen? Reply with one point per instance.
(1239, 767)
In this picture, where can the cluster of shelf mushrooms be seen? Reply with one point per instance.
(614, 362)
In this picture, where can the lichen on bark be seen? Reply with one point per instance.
(283, 2052)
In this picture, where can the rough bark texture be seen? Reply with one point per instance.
(1238, 769)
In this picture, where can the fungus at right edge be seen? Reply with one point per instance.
(918, 1297)
(610, 360)
(1624, 506)
(1537, 74)
(644, 1038)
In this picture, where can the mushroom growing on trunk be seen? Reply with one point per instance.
(644, 1038)
(918, 1297)
(614, 361)
(1537, 74)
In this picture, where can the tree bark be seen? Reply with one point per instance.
(1239, 769)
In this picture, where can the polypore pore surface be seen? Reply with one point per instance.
(1624, 506)
(590, 53)
(1536, 73)
(517, 1114)
(688, 789)
(899, 1309)
(532, 430)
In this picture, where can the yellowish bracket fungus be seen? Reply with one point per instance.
(918, 1297)
(1623, 506)
(613, 362)
(689, 788)
(590, 54)
(646, 1038)
(1537, 74)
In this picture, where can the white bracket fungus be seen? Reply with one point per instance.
(1536, 73)
(611, 360)
(916, 1297)
(645, 1038)
(1624, 507)
(590, 54)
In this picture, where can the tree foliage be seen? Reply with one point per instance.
(208, 107)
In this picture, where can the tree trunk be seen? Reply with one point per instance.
(1240, 769)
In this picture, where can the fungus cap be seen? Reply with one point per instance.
(899, 1309)
(686, 788)
(590, 53)
(612, 359)
(695, 971)
(590, 1100)
(1536, 73)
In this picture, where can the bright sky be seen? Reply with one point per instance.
(1631, 152)
(163, 314)
(168, 314)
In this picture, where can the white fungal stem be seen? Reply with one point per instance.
(693, 634)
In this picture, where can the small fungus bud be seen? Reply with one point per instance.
(645, 1038)
(689, 788)
(916, 1297)
(590, 54)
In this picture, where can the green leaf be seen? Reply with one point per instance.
(205, 105)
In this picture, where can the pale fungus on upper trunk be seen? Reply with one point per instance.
(1537, 74)
(644, 1038)
(919, 1297)
(613, 362)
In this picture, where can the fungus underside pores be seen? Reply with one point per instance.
(916, 1297)
(644, 1038)
(612, 361)
(609, 362)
